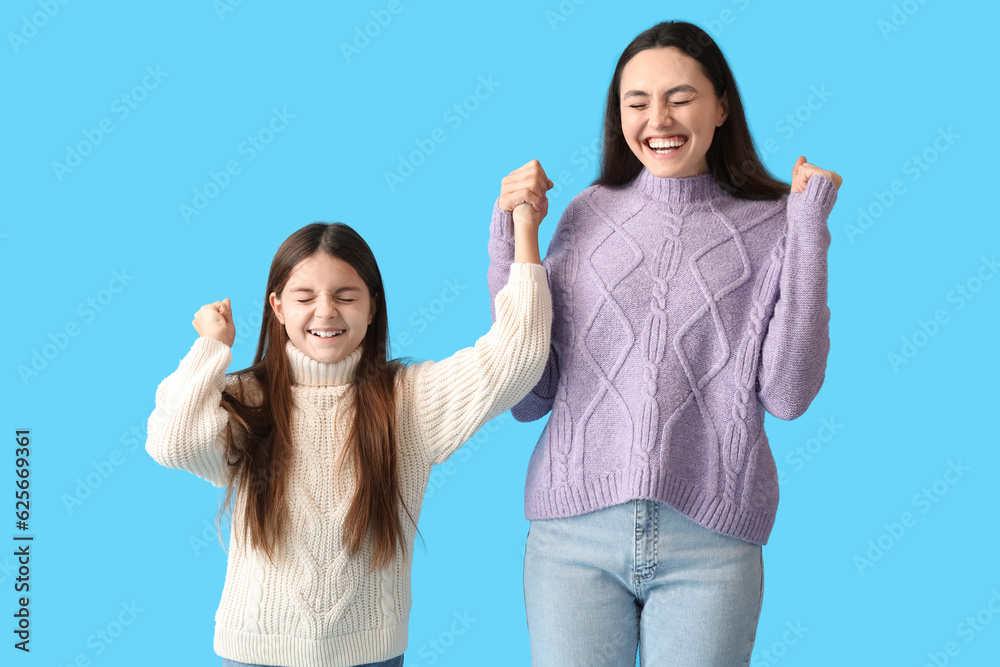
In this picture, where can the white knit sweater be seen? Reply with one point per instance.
(316, 606)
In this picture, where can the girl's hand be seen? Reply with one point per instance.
(803, 171)
(215, 320)
(526, 185)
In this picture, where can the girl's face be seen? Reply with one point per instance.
(325, 307)
(669, 112)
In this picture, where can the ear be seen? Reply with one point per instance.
(724, 109)
(276, 306)
(371, 312)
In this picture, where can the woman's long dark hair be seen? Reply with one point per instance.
(259, 431)
(732, 158)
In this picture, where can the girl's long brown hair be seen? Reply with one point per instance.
(259, 444)
(732, 158)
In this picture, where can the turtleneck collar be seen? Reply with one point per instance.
(678, 190)
(308, 371)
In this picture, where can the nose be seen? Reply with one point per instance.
(661, 112)
(325, 307)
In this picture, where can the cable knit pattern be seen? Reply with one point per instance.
(654, 337)
(564, 428)
(254, 595)
(316, 606)
(388, 600)
(681, 313)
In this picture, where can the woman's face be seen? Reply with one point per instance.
(325, 307)
(669, 112)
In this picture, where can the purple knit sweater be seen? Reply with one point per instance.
(680, 313)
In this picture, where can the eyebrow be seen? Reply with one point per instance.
(309, 291)
(683, 88)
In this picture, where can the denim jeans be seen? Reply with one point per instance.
(391, 662)
(640, 575)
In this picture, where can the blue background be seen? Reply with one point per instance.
(113, 528)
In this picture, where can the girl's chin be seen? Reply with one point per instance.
(326, 358)
(321, 354)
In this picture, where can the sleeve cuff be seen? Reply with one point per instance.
(528, 271)
(819, 197)
(208, 350)
(502, 223)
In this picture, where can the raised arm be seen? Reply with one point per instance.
(187, 427)
(797, 341)
(446, 402)
(527, 184)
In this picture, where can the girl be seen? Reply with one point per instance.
(689, 291)
(328, 446)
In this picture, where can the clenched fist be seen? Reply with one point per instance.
(802, 171)
(215, 320)
(523, 192)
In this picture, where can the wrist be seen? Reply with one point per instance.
(526, 243)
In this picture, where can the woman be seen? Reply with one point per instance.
(689, 295)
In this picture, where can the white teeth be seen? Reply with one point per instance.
(326, 334)
(660, 145)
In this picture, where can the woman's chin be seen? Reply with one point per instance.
(671, 169)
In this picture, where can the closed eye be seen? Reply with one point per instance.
(341, 300)
(677, 103)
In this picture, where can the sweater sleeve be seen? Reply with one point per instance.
(537, 403)
(187, 427)
(797, 341)
(450, 400)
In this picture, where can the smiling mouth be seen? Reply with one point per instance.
(326, 334)
(665, 145)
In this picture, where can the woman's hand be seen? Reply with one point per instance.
(526, 185)
(215, 320)
(803, 171)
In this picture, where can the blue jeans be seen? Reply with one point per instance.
(640, 575)
(391, 662)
